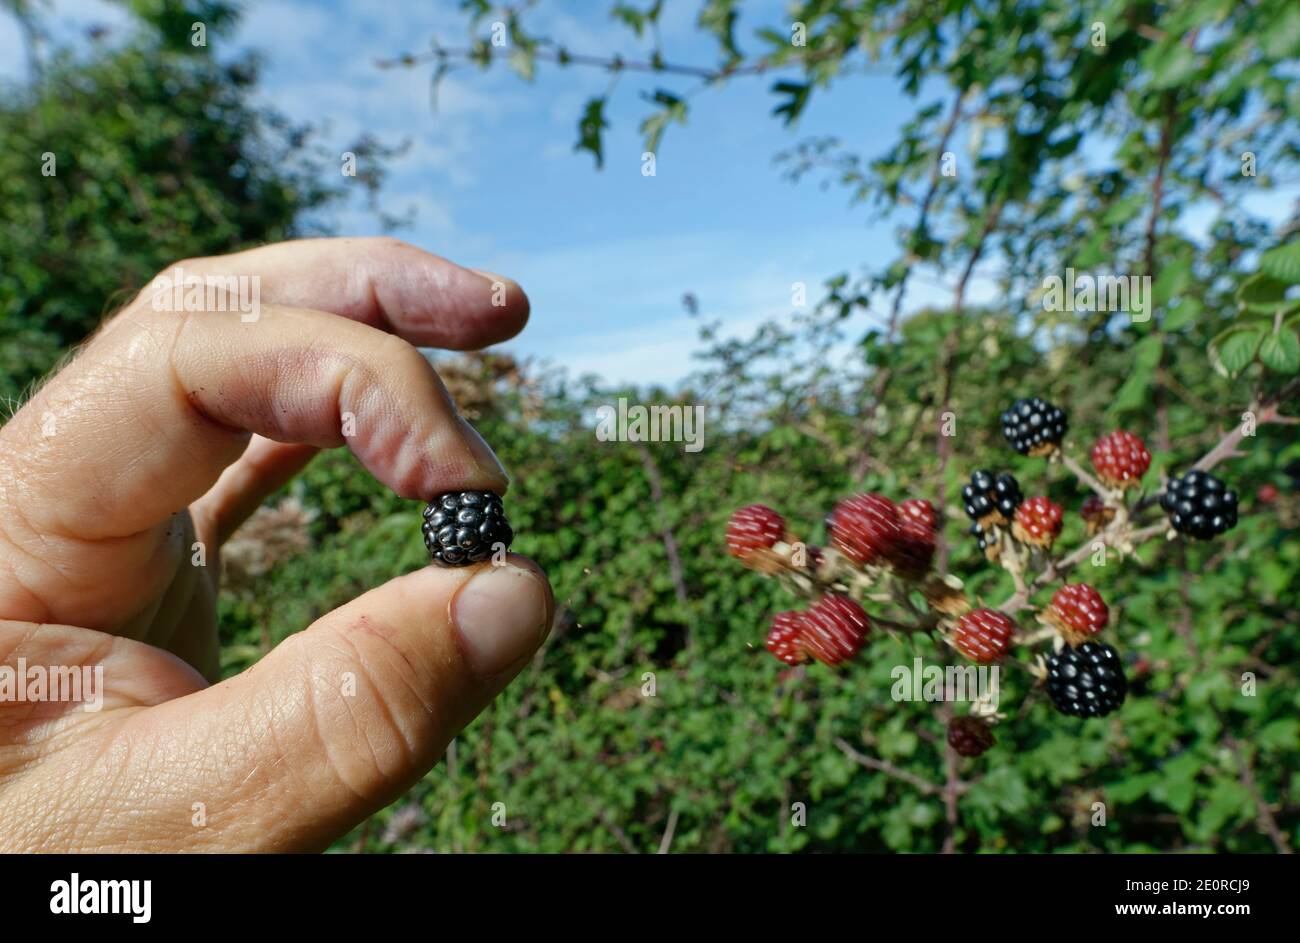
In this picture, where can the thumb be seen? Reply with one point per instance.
(339, 720)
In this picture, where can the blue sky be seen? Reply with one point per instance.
(605, 256)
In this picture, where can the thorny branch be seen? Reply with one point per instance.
(546, 50)
(918, 783)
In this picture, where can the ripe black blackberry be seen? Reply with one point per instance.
(464, 527)
(1034, 426)
(981, 538)
(1199, 505)
(1087, 681)
(991, 499)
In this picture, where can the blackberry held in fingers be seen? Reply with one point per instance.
(1034, 426)
(1087, 681)
(1199, 505)
(464, 527)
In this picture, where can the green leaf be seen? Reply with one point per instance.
(1282, 262)
(1171, 64)
(672, 109)
(1282, 39)
(591, 128)
(1171, 282)
(1183, 314)
(1261, 293)
(797, 97)
(1234, 349)
(1280, 352)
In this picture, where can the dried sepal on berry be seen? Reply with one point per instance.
(945, 594)
(1096, 515)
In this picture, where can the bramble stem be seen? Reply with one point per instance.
(1086, 477)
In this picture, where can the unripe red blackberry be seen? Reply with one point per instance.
(1078, 612)
(864, 528)
(1038, 522)
(784, 640)
(756, 527)
(1034, 426)
(969, 736)
(919, 511)
(1121, 459)
(1095, 514)
(913, 549)
(834, 629)
(984, 635)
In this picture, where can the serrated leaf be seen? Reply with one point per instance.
(1234, 349)
(1282, 263)
(1261, 293)
(1280, 352)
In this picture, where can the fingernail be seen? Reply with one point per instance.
(483, 454)
(501, 617)
(491, 276)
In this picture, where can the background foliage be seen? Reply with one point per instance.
(1070, 155)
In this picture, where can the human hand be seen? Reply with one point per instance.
(144, 455)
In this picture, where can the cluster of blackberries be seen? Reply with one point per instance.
(1199, 505)
(464, 527)
(990, 500)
